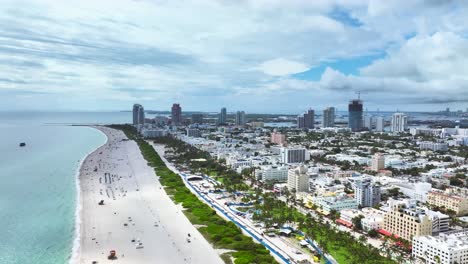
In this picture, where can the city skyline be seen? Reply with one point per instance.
(408, 60)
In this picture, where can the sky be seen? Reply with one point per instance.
(262, 56)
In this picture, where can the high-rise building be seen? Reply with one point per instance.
(240, 118)
(369, 122)
(138, 114)
(328, 117)
(298, 179)
(222, 116)
(309, 119)
(378, 162)
(379, 124)
(306, 120)
(300, 121)
(176, 114)
(355, 115)
(293, 155)
(399, 122)
(197, 118)
(366, 193)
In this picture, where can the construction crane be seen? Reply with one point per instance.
(359, 94)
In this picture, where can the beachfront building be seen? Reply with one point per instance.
(373, 219)
(378, 162)
(176, 113)
(347, 215)
(273, 173)
(406, 223)
(239, 163)
(154, 133)
(456, 203)
(334, 202)
(367, 194)
(447, 248)
(298, 180)
(138, 114)
(291, 155)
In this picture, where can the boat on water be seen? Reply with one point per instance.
(22, 144)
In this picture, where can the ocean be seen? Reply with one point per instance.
(38, 182)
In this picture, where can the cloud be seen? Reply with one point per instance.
(212, 53)
(443, 55)
(282, 67)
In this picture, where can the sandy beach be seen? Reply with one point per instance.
(137, 220)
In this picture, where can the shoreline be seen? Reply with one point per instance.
(74, 257)
(137, 218)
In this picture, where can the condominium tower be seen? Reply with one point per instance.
(399, 122)
(222, 116)
(240, 118)
(138, 114)
(329, 117)
(176, 114)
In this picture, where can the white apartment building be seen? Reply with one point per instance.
(298, 179)
(367, 194)
(347, 215)
(425, 131)
(193, 132)
(447, 248)
(293, 155)
(369, 122)
(328, 117)
(337, 203)
(273, 174)
(153, 133)
(378, 162)
(417, 191)
(434, 146)
(239, 163)
(379, 124)
(440, 221)
(373, 221)
(399, 122)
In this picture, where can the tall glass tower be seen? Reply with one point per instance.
(355, 115)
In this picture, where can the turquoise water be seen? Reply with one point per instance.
(38, 182)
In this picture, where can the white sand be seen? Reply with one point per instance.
(132, 190)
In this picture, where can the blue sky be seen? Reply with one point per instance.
(253, 55)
